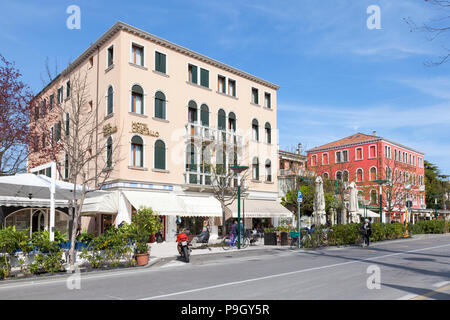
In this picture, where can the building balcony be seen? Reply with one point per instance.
(197, 178)
(290, 172)
(202, 133)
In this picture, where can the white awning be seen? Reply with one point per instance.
(368, 213)
(163, 203)
(26, 202)
(202, 206)
(105, 203)
(254, 208)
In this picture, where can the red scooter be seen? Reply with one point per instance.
(183, 246)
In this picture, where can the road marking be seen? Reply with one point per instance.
(408, 297)
(431, 293)
(441, 284)
(286, 274)
(174, 263)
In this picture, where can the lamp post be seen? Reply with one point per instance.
(237, 170)
(435, 205)
(381, 182)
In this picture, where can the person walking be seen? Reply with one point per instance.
(234, 231)
(367, 231)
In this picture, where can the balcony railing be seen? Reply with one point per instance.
(203, 178)
(290, 172)
(197, 131)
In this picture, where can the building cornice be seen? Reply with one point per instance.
(118, 26)
(347, 145)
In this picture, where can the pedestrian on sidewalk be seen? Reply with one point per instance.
(367, 227)
(234, 231)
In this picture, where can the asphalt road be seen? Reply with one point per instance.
(417, 268)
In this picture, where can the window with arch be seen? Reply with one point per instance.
(137, 152)
(373, 197)
(268, 131)
(345, 176)
(109, 146)
(339, 175)
(313, 160)
(268, 167)
(373, 174)
(110, 100)
(160, 105)
(221, 120)
(160, 155)
(204, 115)
(325, 158)
(137, 99)
(232, 122)
(192, 111)
(359, 175)
(255, 168)
(255, 130)
(326, 176)
(359, 153)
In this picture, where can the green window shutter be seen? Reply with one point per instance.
(193, 73)
(204, 115)
(160, 105)
(160, 62)
(160, 155)
(204, 78)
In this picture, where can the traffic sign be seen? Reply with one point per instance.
(299, 196)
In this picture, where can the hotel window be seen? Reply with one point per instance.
(268, 130)
(109, 152)
(359, 175)
(160, 155)
(160, 105)
(192, 112)
(60, 95)
(341, 156)
(58, 131)
(204, 115)
(410, 158)
(137, 152)
(372, 152)
(110, 59)
(67, 129)
(36, 111)
(91, 62)
(338, 157)
(232, 87)
(232, 122)
(192, 73)
(204, 78)
(345, 176)
(267, 100)
(268, 167)
(325, 175)
(314, 160)
(160, 62)
(110, 100)
(221, 84)
(395, 154)
(255, 130)
(221, 120)
(191, 160)
(35, 144)
(43, 142)
(255, 168)
(373, 197)
(373, 174)
(359, 153)
(68, 90)
(137, 54)
(414, 160)
(66, 166)
(339, 175)
(255, 95)
(325, 158)
(52, 98)
(137, 99)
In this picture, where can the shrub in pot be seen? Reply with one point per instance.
(144, 223)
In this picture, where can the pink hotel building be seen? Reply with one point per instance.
(170, 104)
(364, 158)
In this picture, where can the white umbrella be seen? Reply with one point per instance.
(25, 185)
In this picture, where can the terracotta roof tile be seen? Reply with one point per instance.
(357, 137)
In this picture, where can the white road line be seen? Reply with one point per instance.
(287, 273)
(441, 284)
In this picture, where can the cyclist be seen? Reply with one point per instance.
(234, 231)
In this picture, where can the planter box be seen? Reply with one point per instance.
(284, 239)
(270, 239)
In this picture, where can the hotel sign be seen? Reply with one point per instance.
(142, 128)
(108, 129)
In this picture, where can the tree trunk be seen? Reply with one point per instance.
(224, 225)
(73, 238)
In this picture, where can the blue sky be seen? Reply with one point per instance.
(337, 77)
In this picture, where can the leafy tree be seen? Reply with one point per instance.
(435, 184)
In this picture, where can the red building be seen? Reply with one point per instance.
(367, 159)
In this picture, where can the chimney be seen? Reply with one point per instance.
(374, 133)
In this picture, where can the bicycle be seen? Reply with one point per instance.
(294, 239)
(227, 243)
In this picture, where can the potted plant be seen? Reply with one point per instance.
(144, 223)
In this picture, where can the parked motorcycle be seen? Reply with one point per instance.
(183, 246)
(201, 241)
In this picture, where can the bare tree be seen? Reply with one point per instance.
(435, 28)
(84, 153)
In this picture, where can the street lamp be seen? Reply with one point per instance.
(237, 170)
(381, 182)
(435, 205)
